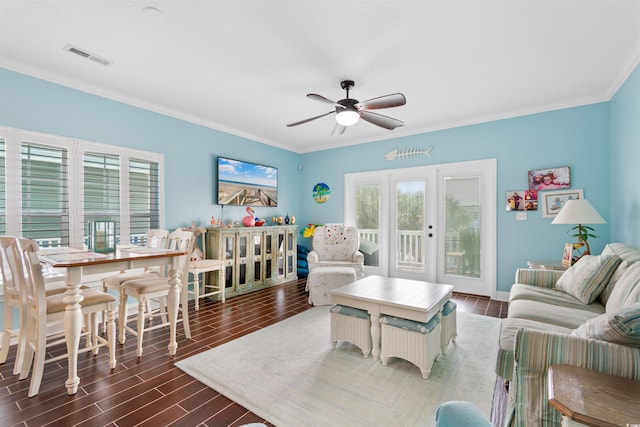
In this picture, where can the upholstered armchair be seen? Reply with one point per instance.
(336, 245)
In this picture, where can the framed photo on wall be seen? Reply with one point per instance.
(553, 201)
(515, 200)
(549, 179)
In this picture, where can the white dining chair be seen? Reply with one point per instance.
(155, 238)
(11, 263)
(42, 311)
(202, 289)
(12, 281)
(145, 289)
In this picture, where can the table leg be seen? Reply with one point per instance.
(375, 336)
(172, 307)
(221, 283)
(73, 327)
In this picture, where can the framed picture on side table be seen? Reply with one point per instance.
(553, 201)
(567, 255)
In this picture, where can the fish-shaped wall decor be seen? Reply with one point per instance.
(405, 153)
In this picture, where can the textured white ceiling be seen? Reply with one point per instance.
(245, 66)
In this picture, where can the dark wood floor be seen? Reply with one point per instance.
(150, 391)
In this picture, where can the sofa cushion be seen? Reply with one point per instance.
(520, 291)
(565, 316)
(619, 327)
(587, 278)
(627, 289)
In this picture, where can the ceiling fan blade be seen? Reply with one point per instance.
(310, 119)
(380, 120)
(386, 101)
(321, 98)
(338, 129)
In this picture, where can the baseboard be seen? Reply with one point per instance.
(502, 296)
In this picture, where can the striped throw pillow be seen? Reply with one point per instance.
(586, 279)
(620, 327)
(627, 289)
(615, 277)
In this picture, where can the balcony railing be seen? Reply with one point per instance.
(410, 249)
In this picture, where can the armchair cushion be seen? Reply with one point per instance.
(587, 278)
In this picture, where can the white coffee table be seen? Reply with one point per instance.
(409, 299)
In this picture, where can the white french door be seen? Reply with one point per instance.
(433, 223)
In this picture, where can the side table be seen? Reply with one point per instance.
(587, 397)
(547, 265)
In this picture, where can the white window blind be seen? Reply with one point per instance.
(45, 194)
(144, 198)
(51, 186)
(101, 189)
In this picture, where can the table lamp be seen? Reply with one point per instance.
(580, 212)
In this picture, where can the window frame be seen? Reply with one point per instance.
(76, 148)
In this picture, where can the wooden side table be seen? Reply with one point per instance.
(587, 397)
(547, 265)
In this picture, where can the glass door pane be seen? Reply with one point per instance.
(257, 257)
(410, 227)
(462, 227)
(368, 222)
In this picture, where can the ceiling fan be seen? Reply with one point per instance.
(348, 111)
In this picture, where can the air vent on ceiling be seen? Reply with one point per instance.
(88, 55)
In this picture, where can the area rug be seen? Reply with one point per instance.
(288, 374)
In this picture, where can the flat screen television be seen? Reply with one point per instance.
(246, 184)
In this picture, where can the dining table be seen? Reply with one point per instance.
(79, 263)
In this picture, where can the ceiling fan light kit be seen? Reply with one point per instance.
(349, 111)
(347, 117)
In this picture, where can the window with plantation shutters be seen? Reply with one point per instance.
(45, 194)
(144, 198)
(51, 187)
(101, 190)
(3, 188)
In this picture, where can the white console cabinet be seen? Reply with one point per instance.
(254, 257)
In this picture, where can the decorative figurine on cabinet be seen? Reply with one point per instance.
(249, 220)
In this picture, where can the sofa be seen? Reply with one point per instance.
(588, 316)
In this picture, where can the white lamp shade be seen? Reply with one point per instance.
(578, 211)
(347, 117)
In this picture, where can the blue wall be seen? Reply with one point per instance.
(625, 157)
(577, 137)
(190, 151)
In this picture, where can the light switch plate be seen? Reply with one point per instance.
(521, 216)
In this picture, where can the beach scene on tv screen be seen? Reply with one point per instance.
(246, 184)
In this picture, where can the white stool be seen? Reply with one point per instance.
(416, 342)
(352, 325)
(323, 279)
(449, 325)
